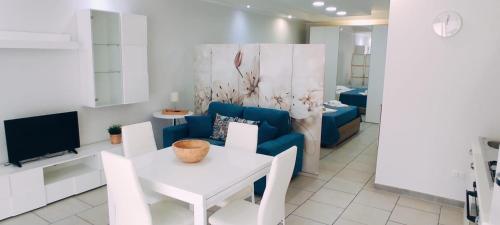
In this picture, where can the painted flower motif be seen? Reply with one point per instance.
(223, 92)
(279, 101)
(310, 100)
(203, 96)
(237, 62)
(251, 85)
(306, 105)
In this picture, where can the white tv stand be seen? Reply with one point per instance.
(41, 182)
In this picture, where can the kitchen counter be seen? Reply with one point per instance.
(485, 150)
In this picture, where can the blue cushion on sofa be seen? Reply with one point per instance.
(277, 118)
(199, 126)
(224, 109)
(267, 132)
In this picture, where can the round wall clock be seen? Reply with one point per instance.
(447, 24)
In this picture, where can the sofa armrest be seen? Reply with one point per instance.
(280, 144)
(172, 134)
(277, 146)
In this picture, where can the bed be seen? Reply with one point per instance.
(339, 125)
(355, 98)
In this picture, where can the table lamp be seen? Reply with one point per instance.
(174, 98)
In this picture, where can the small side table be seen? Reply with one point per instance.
(160, 115)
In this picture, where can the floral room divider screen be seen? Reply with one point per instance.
(280, 76)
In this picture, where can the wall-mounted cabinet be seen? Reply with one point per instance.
(113, 58)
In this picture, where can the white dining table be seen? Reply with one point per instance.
(221, 174)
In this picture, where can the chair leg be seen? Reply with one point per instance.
(253, 195)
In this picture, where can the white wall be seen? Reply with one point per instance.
(377, 71)
(330, 37)
(346, 48)
(34, 82)
(439, 94)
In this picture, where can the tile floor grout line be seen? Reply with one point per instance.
(392, 211)
(308, 219)
(420, 210)
(327, 188)
(34, 213)
(352, 201)
(79, 217)
(356, 195)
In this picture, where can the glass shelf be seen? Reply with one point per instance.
(105, 44)
(100, 72)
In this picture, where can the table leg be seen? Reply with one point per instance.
(175, 122)
(200, 213)
(111, 210)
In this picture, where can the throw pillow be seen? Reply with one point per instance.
(220, 126)
(251, 122)
(199, 126)
(267, 132)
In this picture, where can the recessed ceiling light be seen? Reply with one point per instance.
(249, 6)
(289, 16)
(331, 9)
(341, 13)
(318, 3)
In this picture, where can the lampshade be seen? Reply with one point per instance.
(174, 96)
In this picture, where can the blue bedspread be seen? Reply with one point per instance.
(333, 120)
(354, 98)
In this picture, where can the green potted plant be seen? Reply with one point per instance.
(115, 133)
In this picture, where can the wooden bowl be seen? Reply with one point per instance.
(191, 151)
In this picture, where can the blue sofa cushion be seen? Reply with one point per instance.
(224, 109)
(267, 132)
(172, 134)
(277, 118)
(199, 126)
(221, 123)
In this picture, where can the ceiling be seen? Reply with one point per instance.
(304, 10)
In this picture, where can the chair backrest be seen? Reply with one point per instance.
(242, 136)
(272, 205)
(125, 191)
(138, 139)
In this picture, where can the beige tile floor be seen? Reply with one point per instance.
(343, 194)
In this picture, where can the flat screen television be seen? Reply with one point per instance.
(32, 137)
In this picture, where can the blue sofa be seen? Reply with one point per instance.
(284, 138)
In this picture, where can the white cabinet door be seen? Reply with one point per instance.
(28, 190)
(59, 190)
(135, 74)
(5, 208)
(88, 181)
(134, 29)
(4, 187)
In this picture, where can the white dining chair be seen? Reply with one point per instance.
(272, 206)
(139, 139)
(241, 137)
(128, 206)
